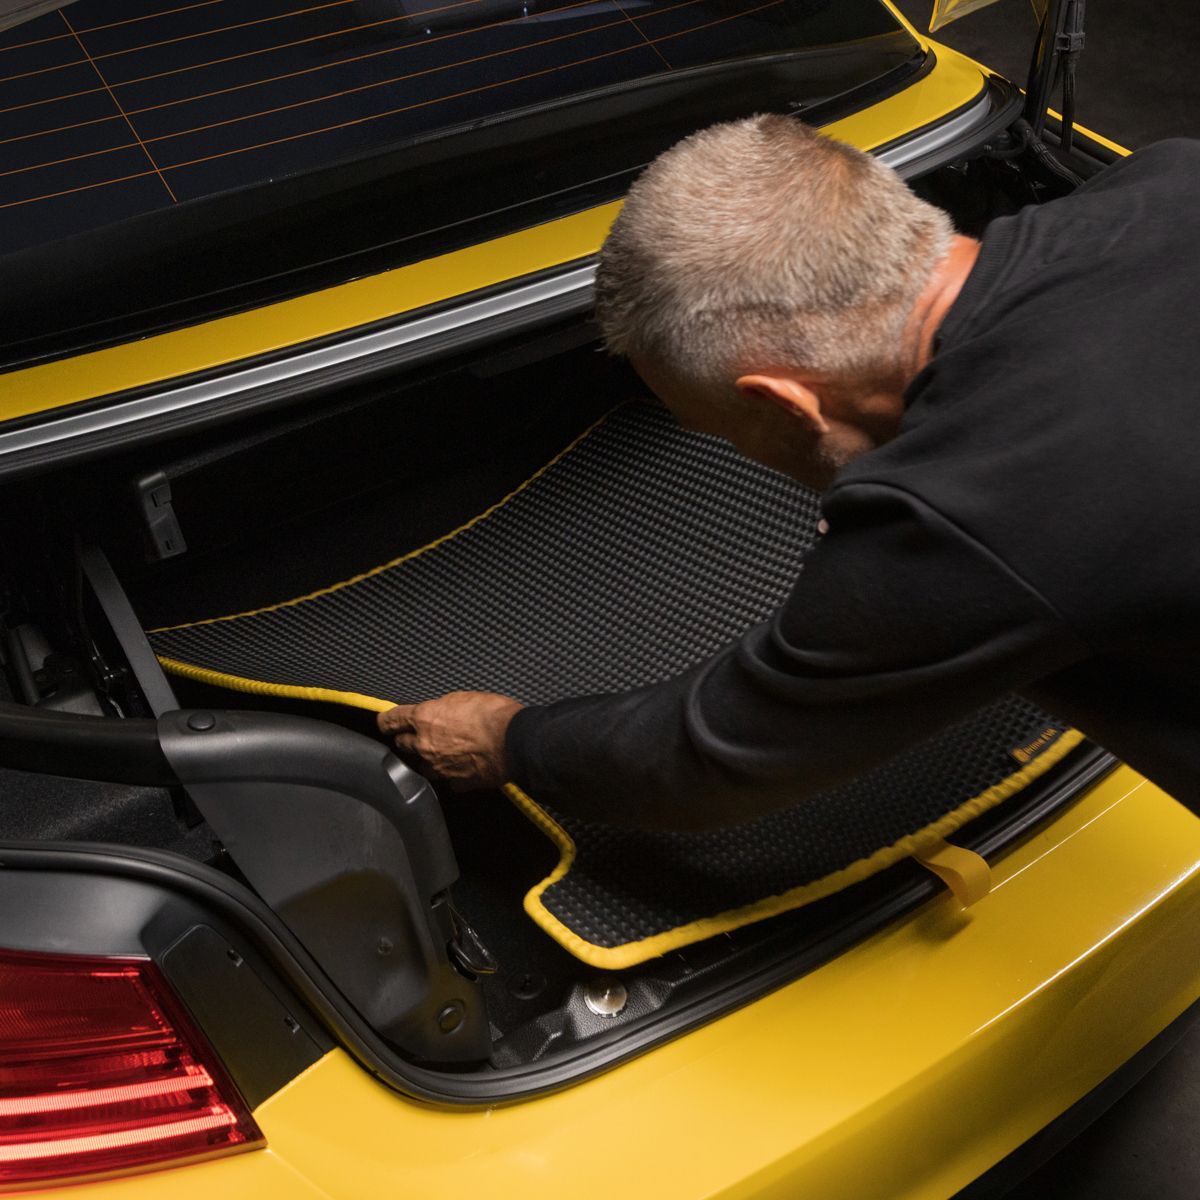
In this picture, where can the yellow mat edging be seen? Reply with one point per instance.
(395, 562)
(615, 958)
(260, 687)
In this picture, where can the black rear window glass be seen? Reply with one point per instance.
(113, 108)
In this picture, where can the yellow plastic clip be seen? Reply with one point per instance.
(964, 872)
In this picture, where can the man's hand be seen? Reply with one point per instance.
(459, 737)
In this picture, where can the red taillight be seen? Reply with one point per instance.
(102, 1071)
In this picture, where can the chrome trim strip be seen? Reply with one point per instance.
(305, 363)
(933, 140)
(572, 287)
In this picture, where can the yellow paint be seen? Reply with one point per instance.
(964, 872)
(248, 1175)
(902, 1069)
(291, 323)
(920, 34)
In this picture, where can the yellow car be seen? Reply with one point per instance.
(300, 407)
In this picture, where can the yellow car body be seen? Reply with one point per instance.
(906, 1067)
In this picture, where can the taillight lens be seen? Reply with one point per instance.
(102, 1071)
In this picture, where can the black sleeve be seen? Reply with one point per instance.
(899, 624)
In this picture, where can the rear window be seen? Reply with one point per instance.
(114, 109)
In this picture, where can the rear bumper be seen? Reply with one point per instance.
(1095, 1148)
(904, 1069)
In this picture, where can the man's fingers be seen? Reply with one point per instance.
(396, 720)
(457, 738)
(406, 744)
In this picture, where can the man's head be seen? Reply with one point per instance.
(763, 280)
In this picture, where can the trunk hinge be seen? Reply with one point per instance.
(1055, 57)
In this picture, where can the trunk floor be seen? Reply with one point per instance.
(637, 551)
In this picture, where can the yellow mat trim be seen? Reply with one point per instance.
(629, 954)
(259, 687)
(387, 566)
(614, 958)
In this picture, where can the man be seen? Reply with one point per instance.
(1006, 435)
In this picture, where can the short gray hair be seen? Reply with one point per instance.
(763, 243)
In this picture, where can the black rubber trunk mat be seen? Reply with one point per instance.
(637, 551)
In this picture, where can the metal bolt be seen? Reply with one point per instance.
(385, 946)
(200, 721)
(451, 1017)
(605, 997)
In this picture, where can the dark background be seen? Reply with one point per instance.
(1139, 77)
(1139, 81)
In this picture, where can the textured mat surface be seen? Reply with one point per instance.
(637, 551)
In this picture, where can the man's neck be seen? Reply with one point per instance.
(935, 301)
(870, 413)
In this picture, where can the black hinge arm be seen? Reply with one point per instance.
(82, 747)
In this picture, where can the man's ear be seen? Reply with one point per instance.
(793, 395)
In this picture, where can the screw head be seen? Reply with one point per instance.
(201, 721)
(384, 946)
(452, 1016)
(527, 985)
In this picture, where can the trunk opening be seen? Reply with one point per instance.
(278, 506)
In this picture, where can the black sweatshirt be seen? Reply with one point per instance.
(1035, 526)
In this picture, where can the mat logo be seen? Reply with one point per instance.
(1031, 750)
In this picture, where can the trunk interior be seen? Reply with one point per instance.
(281, 505)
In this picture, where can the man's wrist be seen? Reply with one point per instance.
(515, 746)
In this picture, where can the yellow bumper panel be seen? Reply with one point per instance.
(903, 1069)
